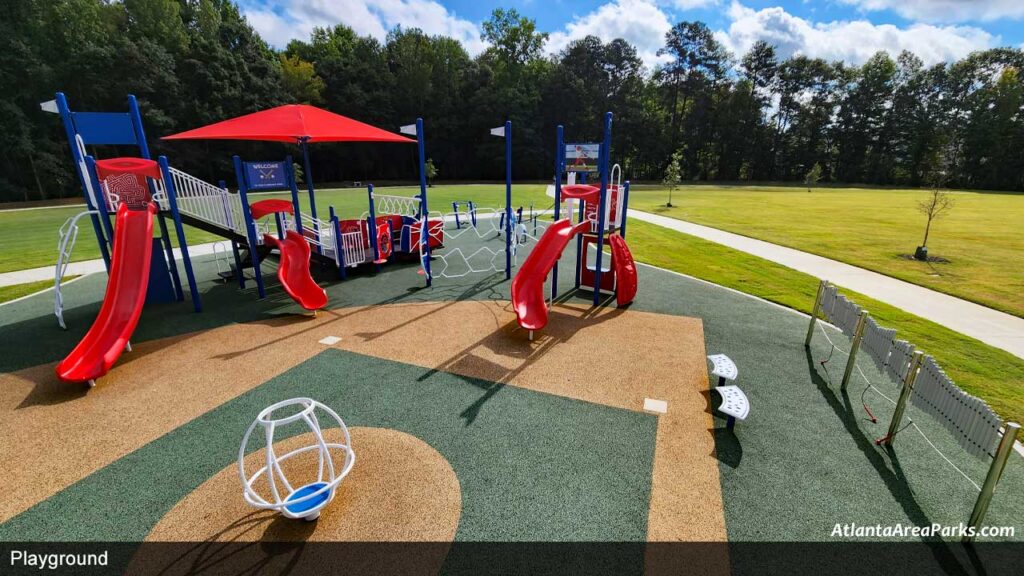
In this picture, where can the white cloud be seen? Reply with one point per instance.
(691, 4)
(851, 41)
(946, 10)
(640, 22)
(295, 19)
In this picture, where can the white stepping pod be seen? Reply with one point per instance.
(304, 499)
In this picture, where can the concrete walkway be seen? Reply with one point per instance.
(992, 327)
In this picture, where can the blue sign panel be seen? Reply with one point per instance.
(265, 175)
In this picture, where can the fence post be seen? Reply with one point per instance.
(814, 312)
(995, 471)
(858, 335)
(901, 404)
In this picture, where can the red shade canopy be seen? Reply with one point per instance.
(291, 123)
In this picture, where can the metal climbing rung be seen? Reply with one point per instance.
(68, 234)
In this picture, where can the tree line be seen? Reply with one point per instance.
(729, 117)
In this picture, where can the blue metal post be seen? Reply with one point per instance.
(339, 245)
(172, 264)
(455, 211)
(625, 209)
(309, 187)
(508, 199)
(140, 135)
(371, 227)
(83, 179)
(424, 211)
(182, 243)
(290, 171)
(101, 200)
(602, 165)
(280, 225)
(250, 226)
(559, 166)
(472, 212)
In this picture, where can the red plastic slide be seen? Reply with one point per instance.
(122, 303)
(293, 272)
(625, 270)
(528, 285)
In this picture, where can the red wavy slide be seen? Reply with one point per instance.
(293, 271)
(122, 303)
(528, 285)
(625, 270)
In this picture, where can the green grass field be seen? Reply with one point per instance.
(874, 229)
(8, 293)
(989, 373)
(29, 237)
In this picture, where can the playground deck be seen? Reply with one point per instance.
(459, 419)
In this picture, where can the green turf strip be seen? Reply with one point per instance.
(531, 466)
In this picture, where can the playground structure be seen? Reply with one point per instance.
(142, 268)
(307, 500)
(599, 221)
(393, 225)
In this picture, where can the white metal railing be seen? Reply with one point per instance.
(68, 234)
(353, 245)
(204, 201)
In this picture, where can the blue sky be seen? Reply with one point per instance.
(849, 30)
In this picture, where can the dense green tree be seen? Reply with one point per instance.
(891, 120)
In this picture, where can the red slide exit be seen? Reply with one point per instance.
(293, 272)
(625, 270)
(122, 303)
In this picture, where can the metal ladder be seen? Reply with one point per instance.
(66, 244)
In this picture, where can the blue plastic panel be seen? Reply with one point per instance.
(105, 127)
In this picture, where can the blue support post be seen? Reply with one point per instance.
(172, 264)
(83, 179)
(290, 171)
(559, 167)
(172, 199)
(280, 225)
(250, 226)
(472, 212)
(424, 211)
(339, 245)
(625, 209)
(508, 200)
(140, 134)
(371, 227)
(602, 165)
(101, 200)
(309, 187)
(455, 211)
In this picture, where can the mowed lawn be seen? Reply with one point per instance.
(982, 236)
(28, 238)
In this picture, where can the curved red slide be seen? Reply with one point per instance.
(528, 285)
(625, 270)
(293, 272)
(122, 303)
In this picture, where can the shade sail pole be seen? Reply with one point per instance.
(304, 144)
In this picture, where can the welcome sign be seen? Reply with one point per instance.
(266, 175)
